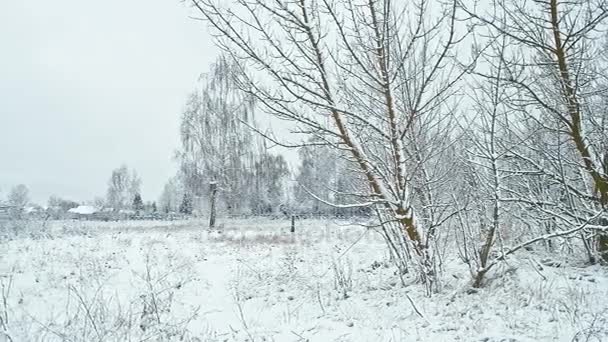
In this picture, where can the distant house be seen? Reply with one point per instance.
(34, 211)
(83, 211)
(31, 210)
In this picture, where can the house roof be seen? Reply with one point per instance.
(83, 210)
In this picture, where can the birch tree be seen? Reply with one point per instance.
(216, 143)
(371, 78)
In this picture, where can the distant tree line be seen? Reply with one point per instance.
(222, 144)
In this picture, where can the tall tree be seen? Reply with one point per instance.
(63, 204)
(186, 206)
(170, 197)
(316, 175)
(138, 203)
(216, 142)
(268, 186)
(19, 196)
(123, 185)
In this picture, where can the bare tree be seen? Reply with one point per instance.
(170, 197)
(123, 185)
(216, 143)
(557, 90)
(267, 176)
(326, 173)
(19, 196)
(17, 199)
(371, 78)
(486, 151)
(220, 152)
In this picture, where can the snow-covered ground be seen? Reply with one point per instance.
(254, 281)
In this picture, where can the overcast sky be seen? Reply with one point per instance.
(88, 85)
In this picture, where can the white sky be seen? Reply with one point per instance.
(88, 85)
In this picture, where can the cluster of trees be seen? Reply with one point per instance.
(124, 189)
(483, 126)
(123, 194)
(61, 204)
(325, 184)
(16, 200)
(18, 196)
(220, 154)
(485, 122)
(18, 203)
(223, 151)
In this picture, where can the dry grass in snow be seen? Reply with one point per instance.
(254, 281)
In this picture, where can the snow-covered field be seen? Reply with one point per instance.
(255, 281)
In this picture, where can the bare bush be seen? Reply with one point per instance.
(343, 277)
(99, 314)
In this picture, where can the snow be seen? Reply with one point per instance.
(127, 211)
(252, 280)
(83, 210)
(30, 210)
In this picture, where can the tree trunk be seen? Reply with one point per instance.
(575, 123)
(602, 242)
(213, 190)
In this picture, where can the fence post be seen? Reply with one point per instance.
(293, 223)
(213, 190)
